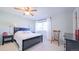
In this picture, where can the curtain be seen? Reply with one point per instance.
(49, 29)
(44, 27)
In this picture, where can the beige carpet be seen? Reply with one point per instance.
(45, 46)
(8, 47)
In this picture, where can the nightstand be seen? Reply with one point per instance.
(8, 38)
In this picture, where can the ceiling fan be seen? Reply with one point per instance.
(26, 10)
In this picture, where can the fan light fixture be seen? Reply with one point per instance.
(26, 10)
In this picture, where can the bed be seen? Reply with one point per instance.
(25, 38)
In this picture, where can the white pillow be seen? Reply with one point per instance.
(23, 32)
(27, 32)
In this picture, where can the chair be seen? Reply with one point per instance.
(56, 35)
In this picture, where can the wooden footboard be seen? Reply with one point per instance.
(30, 42)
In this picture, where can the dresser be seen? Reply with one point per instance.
(71, 44)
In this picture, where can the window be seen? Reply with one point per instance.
(41, 26)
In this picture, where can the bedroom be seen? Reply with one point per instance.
(43, 21)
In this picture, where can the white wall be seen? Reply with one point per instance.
(9, 20)
(63, 22)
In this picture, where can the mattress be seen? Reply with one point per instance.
(22, 35)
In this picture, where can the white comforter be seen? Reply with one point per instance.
(22, 35)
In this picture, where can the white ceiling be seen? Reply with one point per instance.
(41, 13)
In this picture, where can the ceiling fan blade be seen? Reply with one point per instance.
(31, 13)
(26, 9)
(33, 10)
(30, 8)
(19, 9)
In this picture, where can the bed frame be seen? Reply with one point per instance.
(27, 43)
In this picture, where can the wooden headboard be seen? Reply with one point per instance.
(20, 29)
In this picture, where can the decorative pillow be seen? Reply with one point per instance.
(4, 33)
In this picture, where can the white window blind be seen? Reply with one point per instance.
(41, 26)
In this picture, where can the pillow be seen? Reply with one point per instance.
(27, 32)
(4, 33)
(23, 32)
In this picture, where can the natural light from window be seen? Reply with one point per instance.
(41, 26)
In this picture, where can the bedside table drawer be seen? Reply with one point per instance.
(7, 39)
